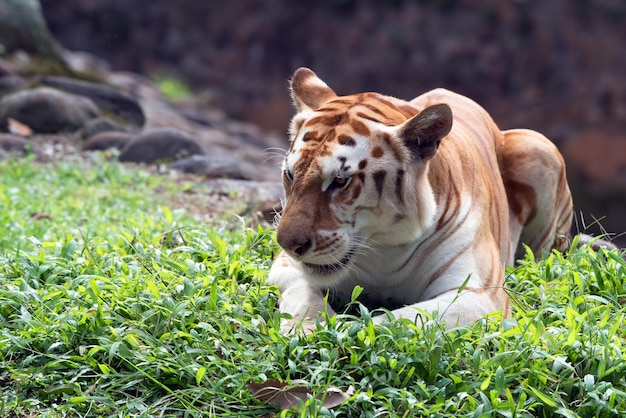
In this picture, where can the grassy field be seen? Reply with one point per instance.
(115, 304)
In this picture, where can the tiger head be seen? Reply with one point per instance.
(355, 176)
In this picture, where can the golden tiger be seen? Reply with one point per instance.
(420, 203)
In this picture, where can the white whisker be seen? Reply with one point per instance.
(275, 153)
(278, 210)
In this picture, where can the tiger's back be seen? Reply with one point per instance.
(405, 199)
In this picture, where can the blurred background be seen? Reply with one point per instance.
(555, 66)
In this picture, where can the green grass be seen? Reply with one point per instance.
(114, 304)
(171, 87)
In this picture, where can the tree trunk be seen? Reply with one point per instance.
(22, 26)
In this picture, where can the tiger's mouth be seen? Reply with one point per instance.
(330, 269)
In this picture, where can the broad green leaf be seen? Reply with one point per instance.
(200, 374)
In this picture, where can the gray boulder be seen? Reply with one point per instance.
(9, 142)
(107, 140)
(99, 125)
(107, 98)
(46, 110)
(160, 145)
(11, 83)
(215, 166)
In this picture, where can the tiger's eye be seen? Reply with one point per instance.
(339, 183)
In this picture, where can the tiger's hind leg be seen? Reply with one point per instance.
(540, 202)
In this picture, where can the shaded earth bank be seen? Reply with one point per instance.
(556, 66)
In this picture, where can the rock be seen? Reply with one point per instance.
(250, 134)
(208, 118)
(10, 142)
(258, 196)
(212, 130)
(108, 140)
(86, 63)
(98, 125)
(47, 110)
(158, 145)
(11, 83)
(107, 98)
(214, 166)
(5, 69)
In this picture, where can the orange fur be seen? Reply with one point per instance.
(409, 200)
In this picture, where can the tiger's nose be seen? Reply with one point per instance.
(298, 246)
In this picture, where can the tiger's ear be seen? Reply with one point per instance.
(423, 132)
(308, 91)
